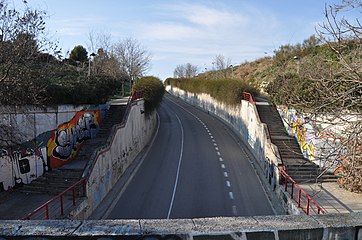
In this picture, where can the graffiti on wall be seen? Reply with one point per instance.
(65, 142)
(21, 166)
(24, 163)
(317, 144)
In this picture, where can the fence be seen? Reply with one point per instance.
(58, 206)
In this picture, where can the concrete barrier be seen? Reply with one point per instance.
(318, 227)
(244, 121)
(110, 161)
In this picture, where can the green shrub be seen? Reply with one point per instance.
(152, 90)
(229, 91)
(80, 90)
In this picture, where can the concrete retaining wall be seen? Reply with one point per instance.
(110, 161)
(245, 122)
(318, 227)
(31, 121)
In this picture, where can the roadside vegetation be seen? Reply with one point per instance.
(152, 91)
(229, 91)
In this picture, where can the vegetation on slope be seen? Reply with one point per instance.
(229, 91)
(152, 91)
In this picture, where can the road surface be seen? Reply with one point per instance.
(194, 168)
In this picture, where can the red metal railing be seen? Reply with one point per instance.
(58, 205)
(136, 95)
(248, 97)
(304, 201)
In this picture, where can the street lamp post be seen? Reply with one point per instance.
(89, 63)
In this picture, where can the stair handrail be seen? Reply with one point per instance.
(249, 97)
(301, 193)
(60, 196)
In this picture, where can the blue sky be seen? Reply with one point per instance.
(178, 32)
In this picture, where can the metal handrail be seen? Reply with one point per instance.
(301, 194)
(249, 97)
(61, 199)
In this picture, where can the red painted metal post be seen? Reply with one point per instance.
(286, 184)
(61, 205)
(46, 212)
(308, 206)
(299, 196)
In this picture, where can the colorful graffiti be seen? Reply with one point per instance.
(26, 162)
(65, 142)
(316, 143)
(21, 166)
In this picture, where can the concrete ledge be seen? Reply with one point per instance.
(333, 226)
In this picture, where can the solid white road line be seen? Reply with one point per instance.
(178, 168)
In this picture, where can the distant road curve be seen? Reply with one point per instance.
(194, 168)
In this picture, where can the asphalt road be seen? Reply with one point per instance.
(194, 168)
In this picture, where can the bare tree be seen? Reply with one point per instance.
(97, 40)
(23, 42)
(221, 64)
(185, 71)
(133, 58)
(179, 72)
(342, 87)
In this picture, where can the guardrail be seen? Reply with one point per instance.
(304, 201)
(60, 204)
(249, 97)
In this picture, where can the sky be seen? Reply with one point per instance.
(180, 32)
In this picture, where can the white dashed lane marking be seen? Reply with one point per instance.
(223, 167)
(231, 195)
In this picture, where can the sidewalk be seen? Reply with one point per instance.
(334, 199)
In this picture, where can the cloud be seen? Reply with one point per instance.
(217, 28)
(76, 26)
(169, 31)
(205, 16)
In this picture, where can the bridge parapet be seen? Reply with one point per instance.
(329, 226)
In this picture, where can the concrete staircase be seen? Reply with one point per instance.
(300, 169)
(56, 181)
